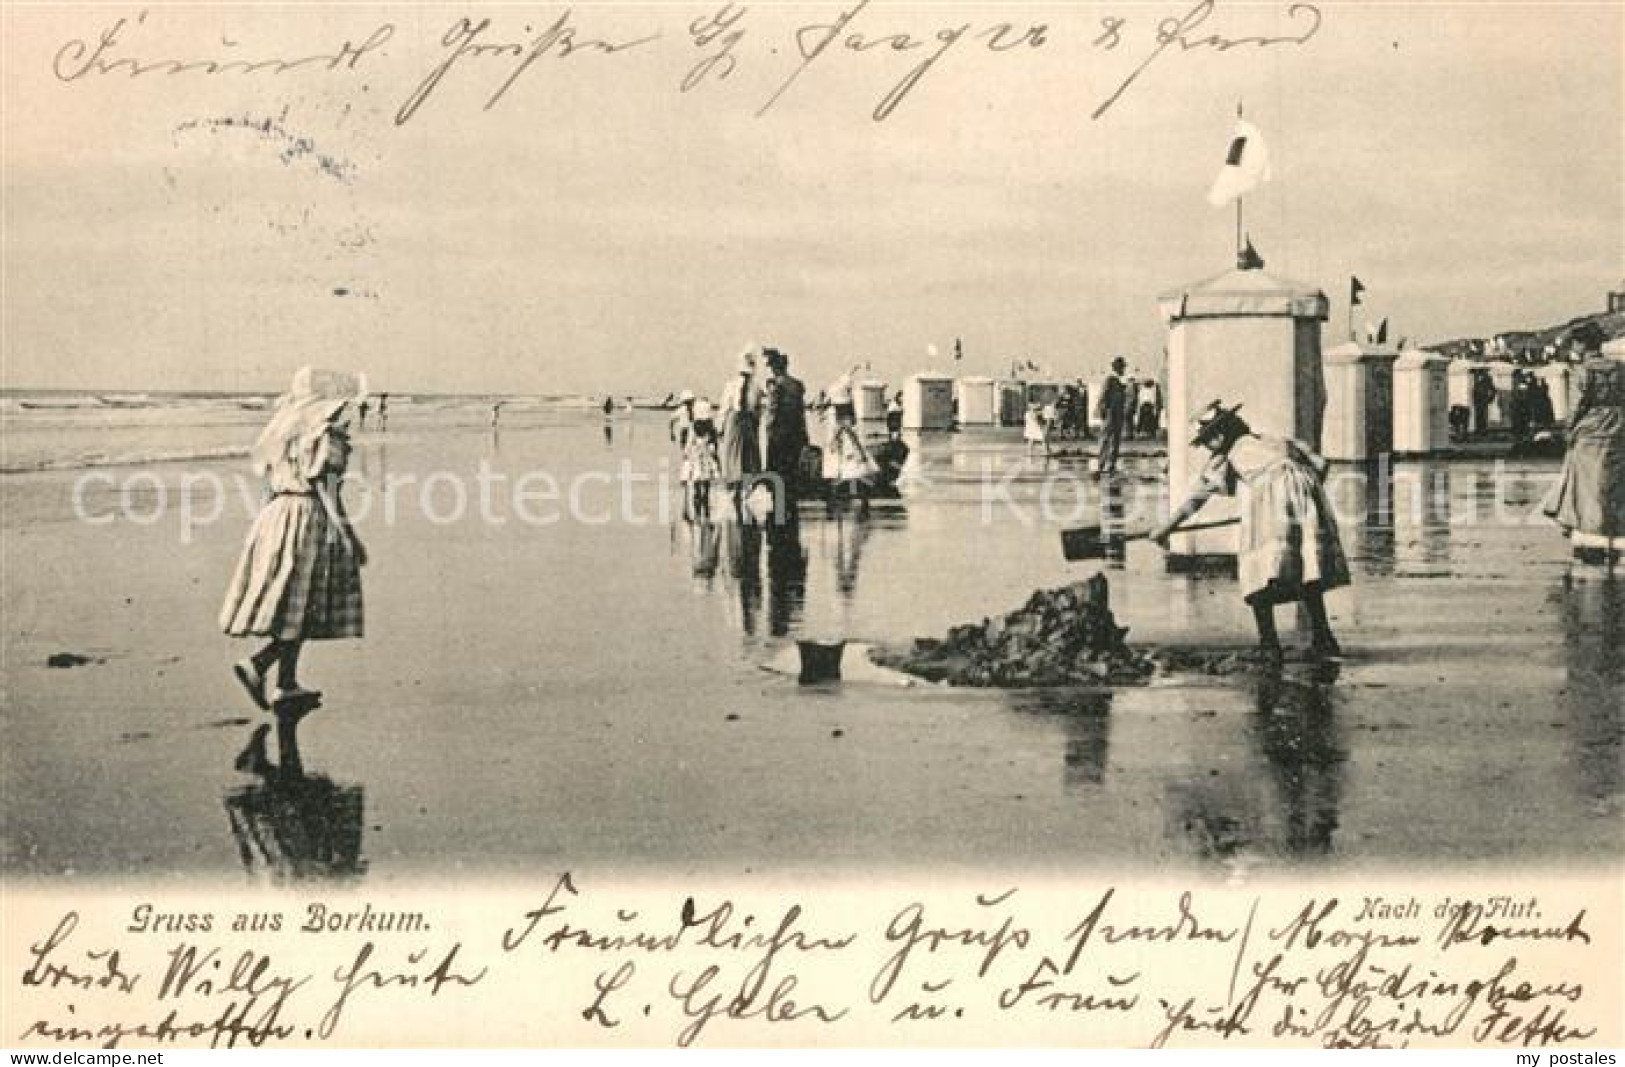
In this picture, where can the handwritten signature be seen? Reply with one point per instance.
(723, 35)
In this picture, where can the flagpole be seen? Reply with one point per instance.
(1239, 199)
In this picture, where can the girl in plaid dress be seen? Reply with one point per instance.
(299, 577)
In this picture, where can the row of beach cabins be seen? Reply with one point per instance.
(1379, 399)
(933, 401)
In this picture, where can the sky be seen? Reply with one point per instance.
(599, 228)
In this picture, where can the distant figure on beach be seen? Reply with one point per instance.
(1461, 421)
(299, 576)
(1520, 406)
(1589, 501)
(383, 412)
(1080, 410)
(682, 419)
(609, 407)
(700, 467)
(1061, 428)
(1112, 410)
(784, 429)
(848, 468)
(1035, 429)
(678, 429)
(361, 410)
(496, 415)
(894, 414)
(1148, 413)
(741, 451)
(1289, 546)
(1483, 396)
(1541, 411)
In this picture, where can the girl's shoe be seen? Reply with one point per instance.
(253, 681)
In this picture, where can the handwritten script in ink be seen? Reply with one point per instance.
(898, 50)
(1165, 968)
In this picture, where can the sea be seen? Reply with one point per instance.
(71, 429)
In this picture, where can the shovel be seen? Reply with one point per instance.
(1093, 542)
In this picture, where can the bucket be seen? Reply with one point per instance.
(820, 661)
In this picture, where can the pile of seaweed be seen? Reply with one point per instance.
(1064, 636)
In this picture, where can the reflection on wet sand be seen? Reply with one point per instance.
(372, 460)
(1425, 510)
(292, 826)
(1085, 718)
(1369, 493)
(1297, 730)
(742, 551)
(1594, 650)
(1113, 524)
(773, 606)
(704, 543)
(850, 536)
(1406, 514)
(786, 577)
(1231, 816)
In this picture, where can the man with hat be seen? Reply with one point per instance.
(1113, 411)
(1289, 549)
(784, 426)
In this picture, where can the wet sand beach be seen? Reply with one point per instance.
(607, 695)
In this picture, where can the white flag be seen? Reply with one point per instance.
(1246, 166)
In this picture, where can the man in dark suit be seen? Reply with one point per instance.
(784, 427)
(1113, 411)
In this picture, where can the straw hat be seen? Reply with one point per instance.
(686, 397)
(1214, 421)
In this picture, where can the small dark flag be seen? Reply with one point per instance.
(1248, 258)
(1382, 332)
(959, 349)
(1356, 290)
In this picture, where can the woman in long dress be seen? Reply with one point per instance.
(299, 576)
(847, 464)
(1289, 549)
(1589, 501)
(740, 454)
